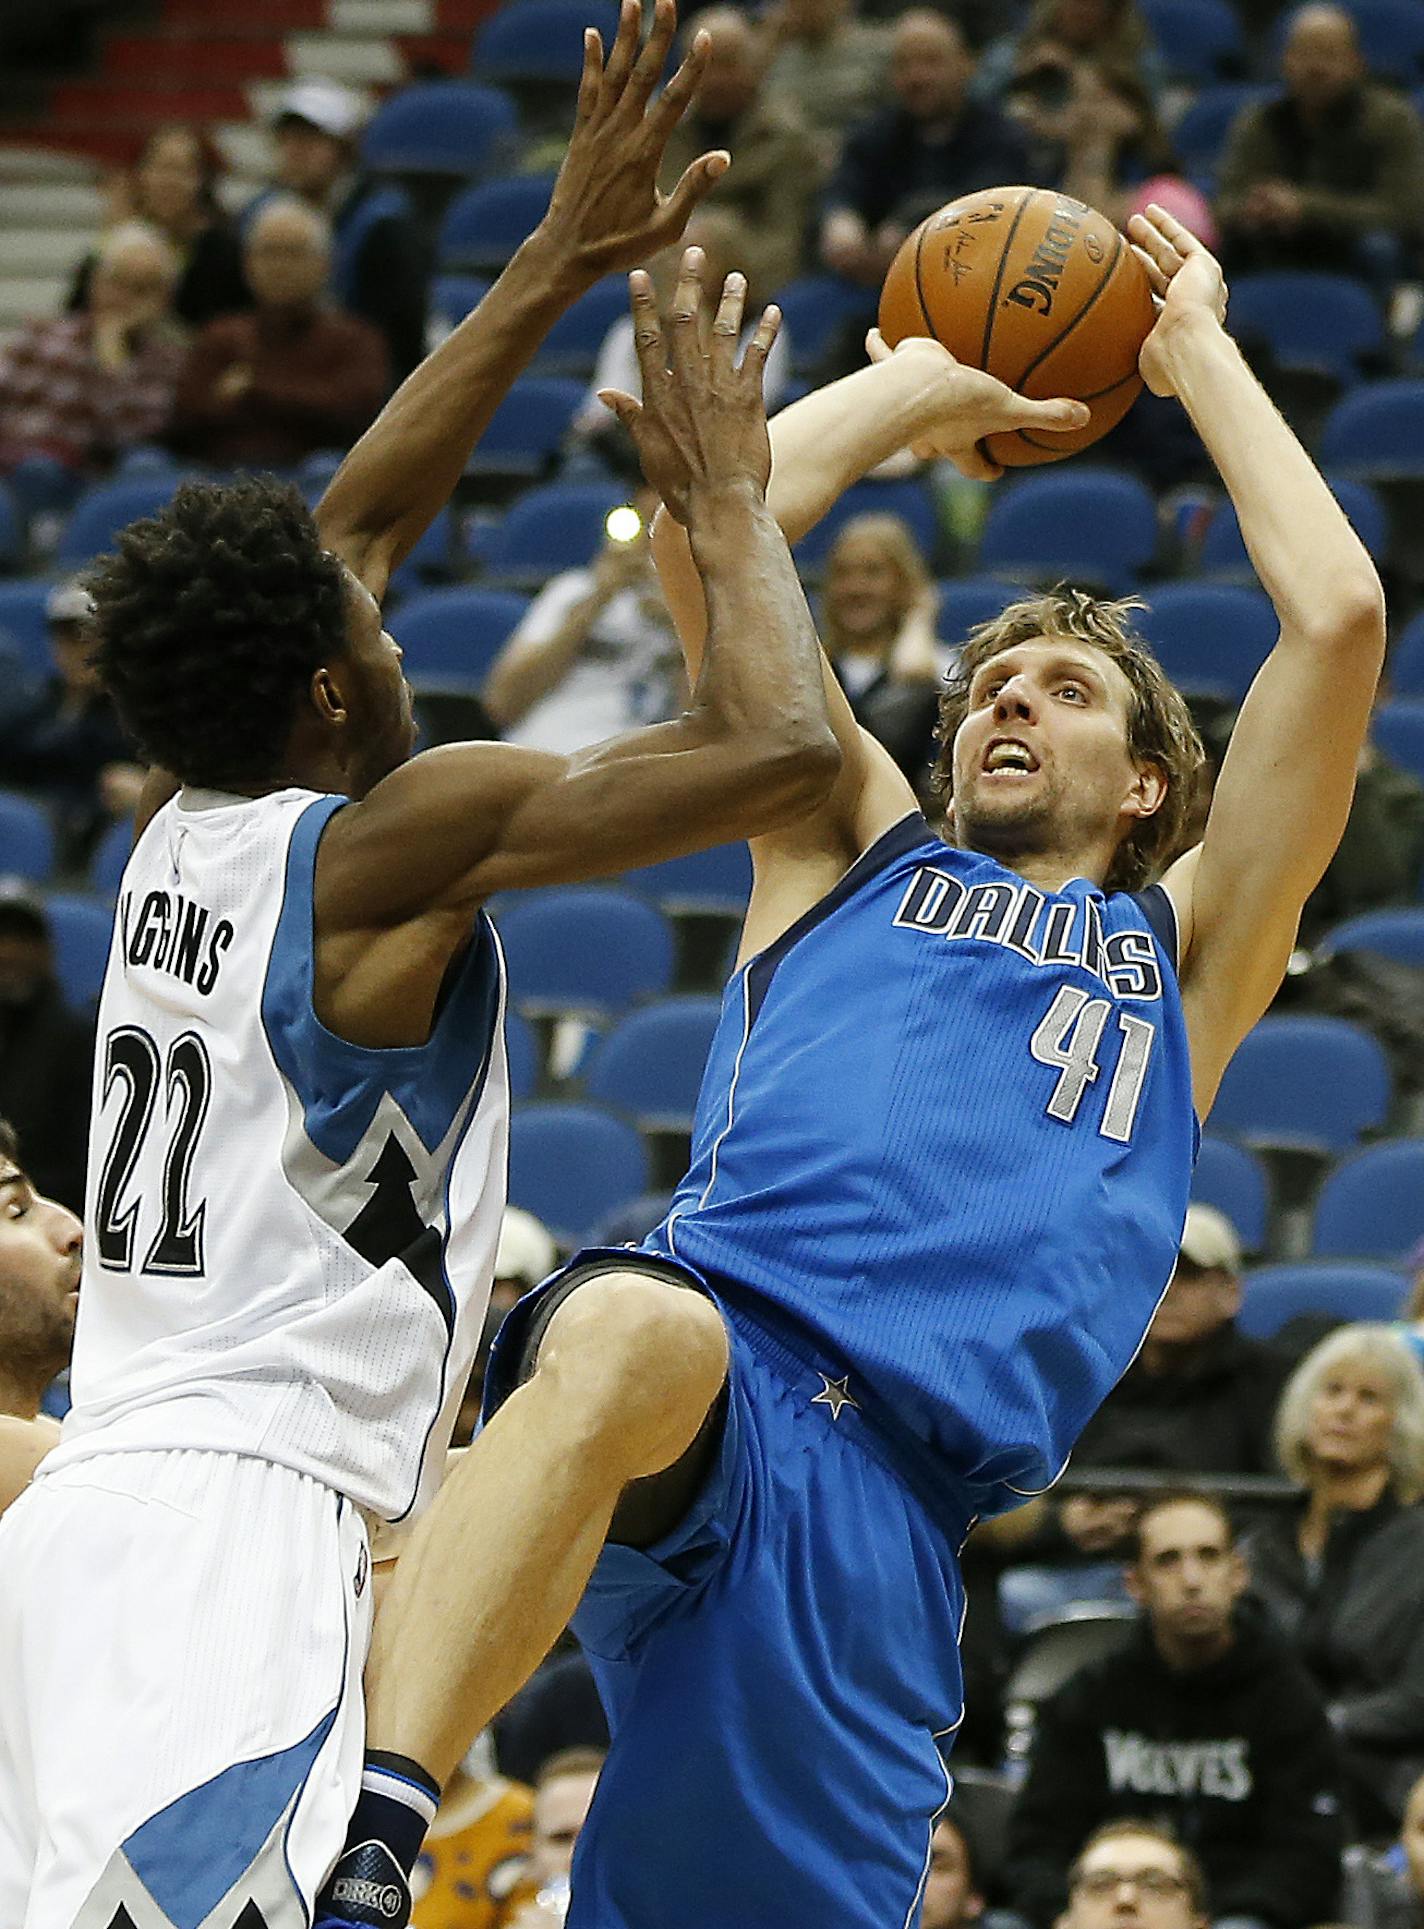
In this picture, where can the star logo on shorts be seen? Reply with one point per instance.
(834, 1394)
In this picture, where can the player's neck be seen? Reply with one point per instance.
(21, 1392)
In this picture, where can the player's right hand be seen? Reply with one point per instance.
(701, 425)
(963, 405)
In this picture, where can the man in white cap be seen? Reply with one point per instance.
(378, 263)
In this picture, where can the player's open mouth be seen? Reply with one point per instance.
(1007, 754)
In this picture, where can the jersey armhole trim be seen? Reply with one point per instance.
(906, 835)
(1155, 904)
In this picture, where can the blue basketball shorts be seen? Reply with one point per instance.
(781, 1672)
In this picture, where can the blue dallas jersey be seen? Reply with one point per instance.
(946, 1134)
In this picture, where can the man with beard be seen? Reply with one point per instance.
(39, 1293)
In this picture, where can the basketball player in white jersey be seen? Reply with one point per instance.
(300, 1102)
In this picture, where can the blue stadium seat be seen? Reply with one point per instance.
(650, 1064)
(908, 498)
(26, 839)
(1233, 1180)
(80, 927)
(484, 225)
(1372, 1206)
(144, 459)
(452, 297)
(435, 557)
(540, 40)
(550, 529)
(589, 949)
(22, 621)
(1396, 933)
(1377, 432)
(1309, 321)
(573, 1165)
(1398, 730)
(718, 880)
(1200, 134)
(632, 1223)
(111, 854)
(1211, 638)
(1273, 1295)
(1304, 1081)
(454, 127)
(967, 601)
(1098, 527)
(451, 636)
(1199, 40)
(572, 344)
(1404, 671)
(1223, 554)
(525, 432)
(521, 1049)
(100, 514)
(817, 310)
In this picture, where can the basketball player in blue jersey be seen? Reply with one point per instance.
(940, 1167)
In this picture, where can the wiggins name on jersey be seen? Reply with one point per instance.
(946, 1136)
(290, 1238)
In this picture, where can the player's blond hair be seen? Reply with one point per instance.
(1160, 730)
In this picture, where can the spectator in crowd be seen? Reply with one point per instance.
(775, 173)
(1381, 855)
(1329, 173)
(828, 64)
(1343, 1573)
(1200, 1396)
(595, 654)
(66, 746)
(562, 1796)
(263, 389)
(46, 1052)
(379, 269)
(952, 1898)
(930, 143)
(1385, 1889)
(1164, 1884)
(477, 1850)
(78, 390)
(39, 1294)
(722, 237)
(1206, 1722)
(525, 1255)
(1081, 81)
(878, 609)
(174, 188)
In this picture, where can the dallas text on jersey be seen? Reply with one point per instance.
(173, 933)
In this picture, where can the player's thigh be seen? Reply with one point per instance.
(195, 1627)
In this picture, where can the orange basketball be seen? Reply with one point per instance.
(1037, 289)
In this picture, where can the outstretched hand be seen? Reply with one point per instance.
(606, 212)
(963, 405)
(1186, 281)
(702, 421)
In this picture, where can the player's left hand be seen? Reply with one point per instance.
(1187, 284)
(606, 212)
(963, 405)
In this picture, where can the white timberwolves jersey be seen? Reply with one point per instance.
(290, 1239)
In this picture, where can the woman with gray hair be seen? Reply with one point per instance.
(1344, 1572)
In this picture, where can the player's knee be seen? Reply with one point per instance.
(639, 1362)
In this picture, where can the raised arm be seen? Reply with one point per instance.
(1285, 787)
(918, 397)
(605, 214)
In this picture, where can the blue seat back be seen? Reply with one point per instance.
(1309, 1081)
(572, 344)
(651, 1063)
(1372, 1206)
(1210, 638)
(1274, 1295)
(1376, 432)
(81, 928)
(908, 498)
(1201, 133)
(111, 854)
(573, 1165)
(1405, 670)
(591, 949)
(451, 637)
(455, 127)
(1099, 526)
(1398, 730)
(484, 225)
(529, 423)
(22, 621)
(1322, 321)
(817, 311)
(547, 530)
(98, 516)
(967, 601)
(1223, 552)
(26, 839)
(1396, 933)
(1233, 1180)
(716, 880)
(1199, 40)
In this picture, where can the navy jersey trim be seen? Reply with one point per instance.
(907, 835)
(340, 1085)
(1156, 906)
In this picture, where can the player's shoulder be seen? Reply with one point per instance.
(23, 1445)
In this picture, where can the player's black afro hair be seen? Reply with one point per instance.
(210, 619)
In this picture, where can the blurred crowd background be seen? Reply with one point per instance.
(226, 232)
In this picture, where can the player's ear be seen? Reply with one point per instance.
(328, 698)
(1147, 792)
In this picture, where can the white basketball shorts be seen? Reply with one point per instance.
(182, 1636)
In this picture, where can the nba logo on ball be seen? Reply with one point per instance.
(1038, 289)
